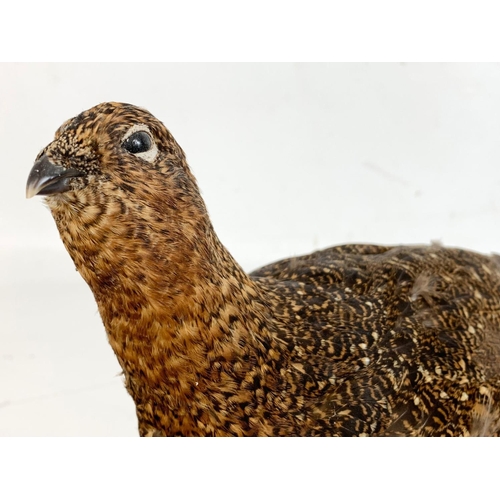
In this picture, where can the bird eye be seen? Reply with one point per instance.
(139, 142)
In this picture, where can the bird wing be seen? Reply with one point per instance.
(393, 340)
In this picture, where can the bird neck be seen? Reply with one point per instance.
(195, 344)
(180, 313)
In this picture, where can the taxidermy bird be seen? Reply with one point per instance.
(353, 340)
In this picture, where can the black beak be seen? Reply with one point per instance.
(47, 178)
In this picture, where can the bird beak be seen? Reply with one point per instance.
(47, 178)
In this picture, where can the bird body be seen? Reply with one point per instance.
(351, 340)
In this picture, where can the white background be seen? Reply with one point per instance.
(289, 158)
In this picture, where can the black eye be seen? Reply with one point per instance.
(139, 142)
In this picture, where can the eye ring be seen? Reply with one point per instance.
(139, 141)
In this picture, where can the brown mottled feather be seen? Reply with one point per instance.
(351, 340)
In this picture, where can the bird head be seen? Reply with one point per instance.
(112, 149)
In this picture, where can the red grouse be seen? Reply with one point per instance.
(349, 341)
